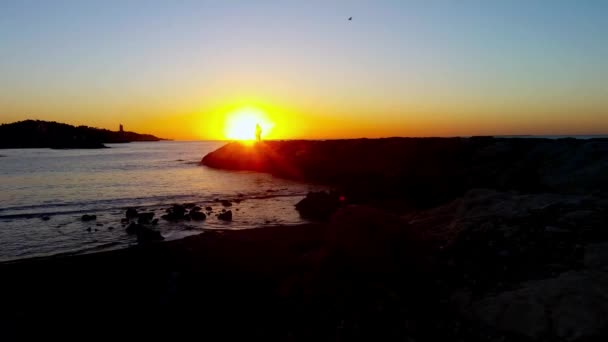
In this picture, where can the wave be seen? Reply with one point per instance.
(119, 204)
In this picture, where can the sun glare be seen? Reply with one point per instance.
(241, 124)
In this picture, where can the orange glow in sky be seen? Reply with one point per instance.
(241, 124)
(212, 70)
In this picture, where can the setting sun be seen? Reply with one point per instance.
(241, 124)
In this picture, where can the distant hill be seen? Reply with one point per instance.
(42, 134)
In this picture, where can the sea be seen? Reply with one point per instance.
(45, 192)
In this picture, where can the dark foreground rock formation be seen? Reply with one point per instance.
(42, 134)
(486, 266)
(507, 242)
(428, 171)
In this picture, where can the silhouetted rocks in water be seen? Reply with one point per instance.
(131, 213)
(40, 134)
(197, 215)
(144, 234)
(87, 217)
(176, 213)
(144, 218)
(427, 171)
(45, 218)
(318, 205)
(155, 222)
(225, 216)
(195, 208)
(208, 209)
(226, 203)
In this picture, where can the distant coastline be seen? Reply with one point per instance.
(50, 134)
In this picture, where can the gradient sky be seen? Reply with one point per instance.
(399, 68)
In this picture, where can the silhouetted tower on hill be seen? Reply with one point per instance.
(121, 129)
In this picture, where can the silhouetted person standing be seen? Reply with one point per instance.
(258, 132)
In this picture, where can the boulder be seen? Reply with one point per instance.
(131, 213)
(144, 218)
(197, 215)
(208, 208)
(225, 216)
(86, 217)
(176, 213)
(145, 234)
(226, 203)
(196, 208)
(318, 205)
(132, 228)
(45, 218)
(570, 307)
(364, 237)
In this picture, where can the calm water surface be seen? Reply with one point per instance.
(65, 184)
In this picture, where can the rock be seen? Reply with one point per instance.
(96, 229)
(189, 205)
(596, 256)
(318, 205)
(197, 215)
(87, 217)
(89, 229)
(176, 213)
(571, 307)
(145, 234)
(226, 203)
(110, 228)
(208, 208)
(196, 208)
(99, 224)
(556, 230)
(155, 221)
(124, 220)
(131, 213)
(132, 228)
(144, 218)
(226, 216)
(45, 218)
(366, 238)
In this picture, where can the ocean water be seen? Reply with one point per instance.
(65, 184)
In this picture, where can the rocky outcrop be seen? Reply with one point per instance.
(428, 171)
(225, 216)
(319, 205)
(87, 217)
(570, 307)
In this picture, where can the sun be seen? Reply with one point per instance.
(241, 124)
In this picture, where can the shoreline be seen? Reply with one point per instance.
(518, 254)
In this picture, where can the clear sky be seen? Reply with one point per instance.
(178, 69)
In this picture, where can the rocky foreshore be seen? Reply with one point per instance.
(508, 242)
(428, 171)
